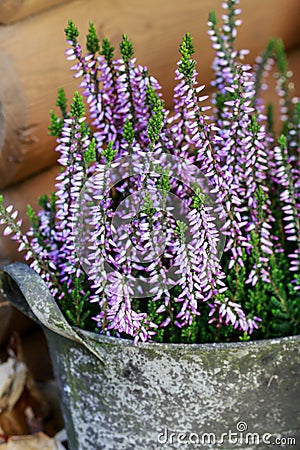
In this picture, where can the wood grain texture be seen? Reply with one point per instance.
(35, 51)
(20, 196)
(13, 10)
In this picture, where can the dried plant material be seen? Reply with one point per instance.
(61, 436)
(13, 376)
(33, 442)
(22, 406)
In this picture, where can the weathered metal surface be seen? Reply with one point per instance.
(143, 393)
(27, 290)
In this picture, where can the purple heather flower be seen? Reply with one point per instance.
(115, 238)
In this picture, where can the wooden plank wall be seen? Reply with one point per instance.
(14, 10)
(33, 66)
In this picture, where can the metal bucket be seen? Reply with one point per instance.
(120, 396)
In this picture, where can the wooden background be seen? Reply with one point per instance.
(33, 66)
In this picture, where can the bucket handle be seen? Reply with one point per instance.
(28, 292)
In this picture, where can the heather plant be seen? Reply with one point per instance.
(206, 245)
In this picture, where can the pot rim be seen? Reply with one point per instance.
(115, 341)
(22, 271)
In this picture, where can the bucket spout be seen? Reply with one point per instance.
(28, 292)
(17, 282)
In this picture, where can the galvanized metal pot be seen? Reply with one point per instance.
(120, 396)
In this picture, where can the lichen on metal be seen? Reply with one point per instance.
(144, 390)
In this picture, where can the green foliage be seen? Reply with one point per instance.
(75, 307)
(180, 229)
(222, 98)
(282, 141)
(85, 130)
(77, 106)
(153, 100)
(285, 316)
(198, 199)
(56, 124)
(61, 102)
(107, 50)
(126, 49)
(92, 40)
(245, 337)
(109, 153)
(282, 62)
(189, 333)
(235, 280)
(33, 218)
(254, 126)
(187, 47)
(155, 123)
(187, 65)
(71, 32)
(213, 18)
(270, 48)
(128, 132)
(148, 207)
(261, 198)
(155, 317)
(297, 113)
(43, 202)
(163, 182)
(90, 155)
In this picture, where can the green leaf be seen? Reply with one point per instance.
(108, 153)
(77, 106)
(56, 125)
(126, 49)
(61, 102)
(33, 218)
(43, 201)
(71, 32)
(164, 181)
(254, 126)
(148, 207)
(297, 113)
(198, 199)
(92, 40)
(187, 65)
(212, 18)
(187, 47)
(282, 141)
(153, 100)
(128, 132)
(180, 230)
(90, 153)
(282, 62)
(155, 125)
(107, 50)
